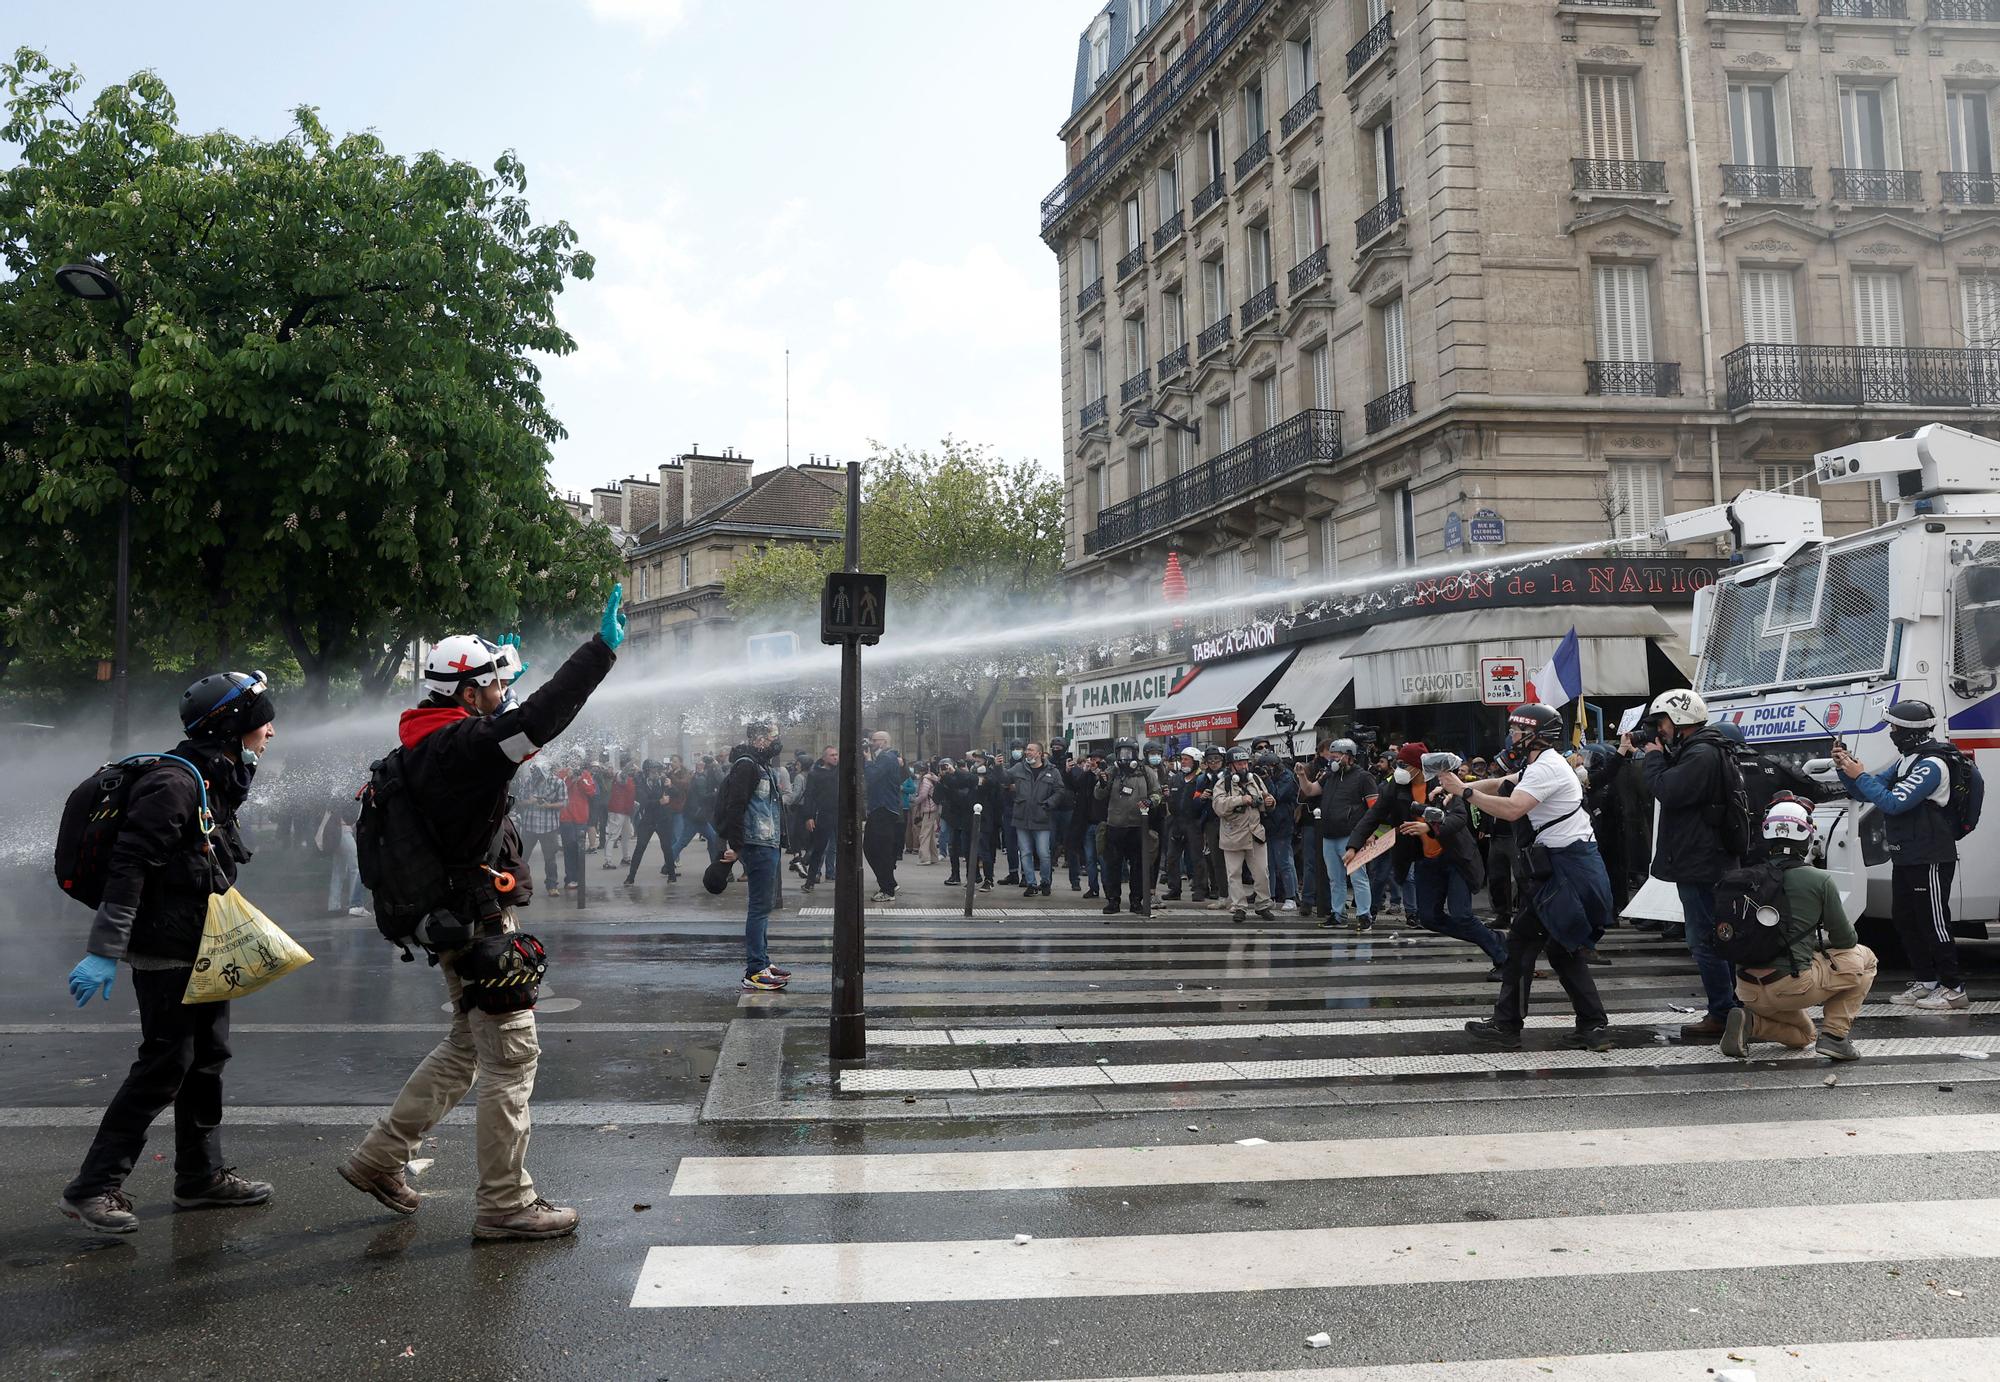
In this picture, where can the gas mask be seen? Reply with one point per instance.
(773, 749)
(1403, 777)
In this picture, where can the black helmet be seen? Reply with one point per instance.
(1211, 751)
(1539, 722)
(1126, 750)
(1911, 723)
(1267, 758)
(227, 705)
(1017, 744)
(1731, 732)
(1239, 754)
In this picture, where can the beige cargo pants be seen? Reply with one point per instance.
(1838, 981)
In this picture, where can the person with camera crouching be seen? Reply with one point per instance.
(442, 796)
(1128, 788)
(1565, 894)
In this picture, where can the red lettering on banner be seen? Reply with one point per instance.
(1561, 585)
(1630, 585)
(1653, 584)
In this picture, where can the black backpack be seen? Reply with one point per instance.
(419, 896)
(94, 813)
(1754, 926)
(1968, 787)
(1732, 813)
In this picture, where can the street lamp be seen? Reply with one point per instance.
(1149, 418)
(90, 282)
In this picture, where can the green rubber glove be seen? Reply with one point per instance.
(612, 630)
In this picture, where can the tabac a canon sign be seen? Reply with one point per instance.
(1244, 638)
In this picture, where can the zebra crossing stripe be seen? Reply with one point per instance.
(1886, 1360)
(912, 1173)
(1301, 1259)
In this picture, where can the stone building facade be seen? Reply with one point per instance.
(1370, 272)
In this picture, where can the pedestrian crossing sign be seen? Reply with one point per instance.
(852, 606)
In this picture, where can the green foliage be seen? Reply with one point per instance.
(341, 438)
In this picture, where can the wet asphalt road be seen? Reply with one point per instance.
(323, 1283)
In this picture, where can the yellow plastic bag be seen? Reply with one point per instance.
(241, 951)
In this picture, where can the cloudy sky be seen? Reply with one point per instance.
(855, 179)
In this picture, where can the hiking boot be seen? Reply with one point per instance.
(227, 1191)
(1909, 997)
(1735, 1041)
(110, 1212)
(1836, 1047)
(537, 1220)
(1942, 999)
(388, 1187)
(1708, 1029)
(1486, 1029)
(1590, 1038)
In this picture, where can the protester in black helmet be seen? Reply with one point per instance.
(1567, 896)
(1765, 780)
(1128, 788)
(1914, 796)
(1685, 774)
(166, 864)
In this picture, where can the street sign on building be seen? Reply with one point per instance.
(1487, 526)
(1454, 531)
(1503, 680)
(852, 606)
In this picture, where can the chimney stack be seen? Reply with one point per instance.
(641, 509)
(672, 479)
(712, 480)
(605, 502)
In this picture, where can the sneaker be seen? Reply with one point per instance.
(388, 1187)
(227, 1191)
(987, 886)
(1486, 1029)
(1090, 893)
(1590, 1038)
(1494, 975)
(1329, 923)
(1219, 905)
(110, 1212)
(1735, 1041)
(1673, 931)
(1033, 890)
(777, 973)
(881, 897)
(1237, 914)
(1648, 924)
(763, 981)
(1910, 996)
(1590, 956)
(607, 864)
(1111, 909)
(359, 912)
(954, 881)
(1942, 999)
(1048, 890)
(537, 1220)
(1364, 923)
(1289, 906)
(1836, 1047)
(1012, 880)
(805, 887)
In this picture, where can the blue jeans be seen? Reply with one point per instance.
(1444, 905)
(687, 834)
(1092, 873)
(760, 866)
(1718, 979)
(1284, 876)
(1037, 864)
(1338, 881)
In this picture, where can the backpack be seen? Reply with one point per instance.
(418, 895)
(1968, 788)
(94, 813)
(1754, 927)
(1733, 824)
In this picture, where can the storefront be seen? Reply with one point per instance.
(1215, 701)
(1104, 709)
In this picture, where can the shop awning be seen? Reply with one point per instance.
(1313, 682)
(1219, 695)
(1434, 659)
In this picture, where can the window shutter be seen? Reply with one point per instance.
(1329, 547)
(1979, 296)
(1624, 313)
(1768, 313)
(1878, 309)
(1270, 391)
(1638, 492)
(1610, 121)
(1395, 348)
(1322, 377)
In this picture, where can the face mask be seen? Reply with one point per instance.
(1402, 777)
(248, 756)
(982, 771)
(1014, 754)
(1154, 759)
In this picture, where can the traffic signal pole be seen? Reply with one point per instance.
(847, 1040)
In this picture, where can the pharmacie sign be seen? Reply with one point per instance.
(1132, 691)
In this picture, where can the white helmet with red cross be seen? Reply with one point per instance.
(466, 659)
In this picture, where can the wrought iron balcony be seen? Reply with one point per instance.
(1641, 177)
(1212, 338)
(1393, 407)
(1093, 413)
(1633, 378)
(1137, 387)
(1882, 186)
(1258, 152)
(1134, 259)
(1971, 189)
(1852, 376)
(1302, 110)
(1090, 297)
(1966, 11)
(1614, 4)
(1214, 44)
(1374, 41)
(1308, 271)
(1766, 182)
(1864, 9)
(1753, 6)
(1378, 220)
(1170, 230)
(1308, 439)
(1208, 196)
(1174, 363)
(1262, 304)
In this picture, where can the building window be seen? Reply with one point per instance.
(1319, 363)
(1134, 235)
(1382, 141)
(1264, 389)
(1090, 266)
(1373, 12)
(687, 571)
(1258, 249)
(1979, 299)
(1869, 133)
(1168, 186)
(1221, 427)
(1760, 124)
(1969, 132)
(1327, 531)
(639, 584)
(1299, 75)
(1093, 372)
(1254, 126)
(1403, 518)
(1228, 566)
(1214, 290)
(1878, 309)
(1211, 140)
(1100, 49)
(1785, 477)
(1768, 311)
(1135, 346)
(1141, 459)
(1142, 14)
(1610, 118)
(1181, 452)
(1308, 230)
(1093, 491)
(1395, 345)
(1274, 558)
(1173, 319)
(1637, 495)
(1624, 312)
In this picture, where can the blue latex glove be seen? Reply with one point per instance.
(612, 630)
(93, 974)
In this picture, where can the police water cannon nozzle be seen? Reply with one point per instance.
(1764, 525)
(1927, 464)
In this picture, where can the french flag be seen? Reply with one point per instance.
(1561, 680)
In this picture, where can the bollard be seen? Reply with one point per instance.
(972, 857)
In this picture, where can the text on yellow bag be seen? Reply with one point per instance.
(241, 951)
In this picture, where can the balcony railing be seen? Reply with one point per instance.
(1311, 438)
(1213, 45)
(1170, 230)
(1884, 186)
(1633, 378)
(1174, 363)
(1391, 408)
(1615, 4)
(1967, 11)
(1753, 6)
(1851, 376)
(1093, 413)
(1864, 9)
(1261, 305)
(1308, 271)
(1212, 338)
(1372, 42)
(1377, 220)
(1208, 196)
(1640, 177)
(1137, 387)
(1766, 182)
(1247, 161)
(1970, 189)
(1302, 110)
(1091, 296)
(1134, 259)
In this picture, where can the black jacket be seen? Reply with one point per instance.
(1342, 800)
(954, 794)
(739, 784)
(1394, 805)
(822, 796)
(161, 873)
(1686, 781)
(649, 805)
(990, 793)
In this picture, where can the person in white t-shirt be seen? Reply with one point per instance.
(1566, 894)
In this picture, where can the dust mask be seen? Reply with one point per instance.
(1402, 777)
